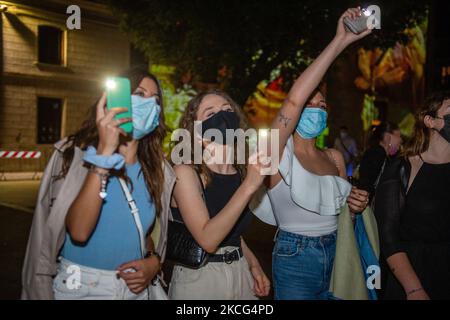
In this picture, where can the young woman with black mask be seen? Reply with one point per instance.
(211, 198)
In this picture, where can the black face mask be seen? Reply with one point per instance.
(221, 121)
(445, 131)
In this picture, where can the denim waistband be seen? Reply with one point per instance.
(306, 240)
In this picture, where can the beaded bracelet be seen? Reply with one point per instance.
(103, 179)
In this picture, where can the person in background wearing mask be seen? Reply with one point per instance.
(82, 215)
(412, 207)
(211, 199)
(384, 143)
(347, 146)
(310, 188)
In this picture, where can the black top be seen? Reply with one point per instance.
(428, 205)
(417, 223)
(217, 194)
(420, 215)
(370, 168)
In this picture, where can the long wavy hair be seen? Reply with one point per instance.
(420, 141)
(187, 122)
(150, 148)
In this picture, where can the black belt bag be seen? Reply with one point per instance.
(184, 250)
(182, 247)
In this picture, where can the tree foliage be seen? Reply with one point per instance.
(251, 37)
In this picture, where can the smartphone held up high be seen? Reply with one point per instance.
(359, 24)
(118, 95)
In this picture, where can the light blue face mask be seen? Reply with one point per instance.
(145, 113)
(312, 122)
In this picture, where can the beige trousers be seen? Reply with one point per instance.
(214, 281)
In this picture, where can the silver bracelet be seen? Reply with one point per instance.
(103, 179)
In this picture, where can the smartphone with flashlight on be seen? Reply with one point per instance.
(359, 24)
(118, 95)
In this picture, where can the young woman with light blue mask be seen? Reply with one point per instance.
(306, 195)
(105, 250)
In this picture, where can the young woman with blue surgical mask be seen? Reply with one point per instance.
(306, 195)
(85, 243)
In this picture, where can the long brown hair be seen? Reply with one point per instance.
(150, 148)
(187, 122)
(420, 140)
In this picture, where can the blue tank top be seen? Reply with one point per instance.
(115, 239)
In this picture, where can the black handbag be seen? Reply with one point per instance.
(181, 245)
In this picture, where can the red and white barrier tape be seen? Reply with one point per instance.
(20, 154)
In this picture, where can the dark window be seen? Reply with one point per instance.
(50, 45)
(49, 115)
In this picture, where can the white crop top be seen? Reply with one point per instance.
(302, 202)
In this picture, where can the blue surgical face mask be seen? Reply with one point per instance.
(145, 113)
(312, 122)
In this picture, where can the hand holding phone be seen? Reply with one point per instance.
(108, 127)
(344, 37)
(357, 25)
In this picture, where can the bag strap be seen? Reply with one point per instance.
(375, 185)
(135, 213)
(137, 220)
(331, 156)
(201, 183)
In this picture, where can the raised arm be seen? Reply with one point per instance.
(303, 87)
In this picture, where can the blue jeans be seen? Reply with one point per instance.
(302, 266)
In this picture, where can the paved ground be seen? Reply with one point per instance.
(19, 194)
(14, 228)
(17, 199)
